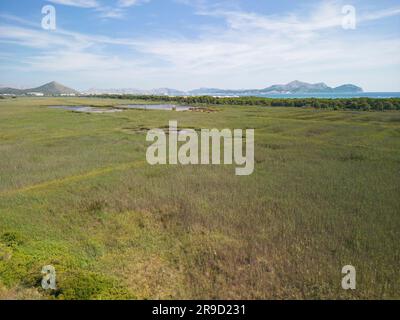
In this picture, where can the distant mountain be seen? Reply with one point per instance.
(290, 88)
(298, 87)
(49, 89)
(113, 91)
(158, 92)
(53, 88)
(347, 88)
(207, 91)
(167, 92)
(7, 90)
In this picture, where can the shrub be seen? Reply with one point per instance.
(85, 285)
(11, 239)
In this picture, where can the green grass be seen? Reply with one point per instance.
(76, 193)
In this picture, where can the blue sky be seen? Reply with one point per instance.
(186, 44)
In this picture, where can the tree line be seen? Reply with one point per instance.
(364, 104)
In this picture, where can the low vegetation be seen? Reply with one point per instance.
(364, 104)
(76, 193)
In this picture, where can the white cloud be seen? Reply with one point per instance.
(118, 12)
(127, 3)
(255, 41)
(110, 12)
(130, 3)
(77, 3)
(106, 12)
(35, 38)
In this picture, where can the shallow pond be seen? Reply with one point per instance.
(170, 107)
(87, 109)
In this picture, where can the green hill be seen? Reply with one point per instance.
(49, 89)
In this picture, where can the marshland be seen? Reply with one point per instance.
(77, 193)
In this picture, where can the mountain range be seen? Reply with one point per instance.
(294, 87)
(156, 92)
(290, 88)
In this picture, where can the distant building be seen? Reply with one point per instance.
(36, 94)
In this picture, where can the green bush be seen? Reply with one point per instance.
(85, 285)
(11, 239)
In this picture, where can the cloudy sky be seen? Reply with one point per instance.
(185, 44)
